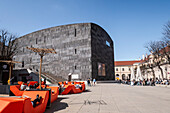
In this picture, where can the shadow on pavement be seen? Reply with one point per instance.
(57, 105)
(87, 90)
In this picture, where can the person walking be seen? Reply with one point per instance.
(94, 81)
(88, 82)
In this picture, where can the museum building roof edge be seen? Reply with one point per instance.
(55, 27)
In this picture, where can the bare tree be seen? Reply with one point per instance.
(166, 33)
(165, 42)
(8, 45)
(149, 65)
(154, 47)
(165, 51)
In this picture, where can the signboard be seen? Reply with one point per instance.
(101, 69)
(74, 76)
(5, 68)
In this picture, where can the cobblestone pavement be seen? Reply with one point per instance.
(115, 98)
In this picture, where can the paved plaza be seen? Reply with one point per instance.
(115, 98)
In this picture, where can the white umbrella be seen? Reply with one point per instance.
(132, 77)
(139, 74)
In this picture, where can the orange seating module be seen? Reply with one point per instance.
(67, 89)
(40, 108)
(54, 93)
(20, 82)
(32, 83)
(24, 105)
(15, 89)
(11, 105)
(70, 87)
(75, 90)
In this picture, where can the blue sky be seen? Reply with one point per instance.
(130, 23)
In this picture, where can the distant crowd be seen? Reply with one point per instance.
(145, 82)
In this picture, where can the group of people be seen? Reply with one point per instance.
(91, 82)
(145, 82)
(163, 82)
(25, 86)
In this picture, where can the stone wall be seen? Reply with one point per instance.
(102, 52)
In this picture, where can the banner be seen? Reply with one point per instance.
(101, 69)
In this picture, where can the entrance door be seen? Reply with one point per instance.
(69, 77)
(5, 77)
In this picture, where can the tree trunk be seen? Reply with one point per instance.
(153, 74)
(161, 72)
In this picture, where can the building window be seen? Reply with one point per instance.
(123, 77)
(75, 67)
(30, 60)
(45, 39)
(123, 69)
(116, 69)
(107, 43)
(36, 40)
(22, 63)
(75, 32)
(75, 51)
(23, 50)
(117, 75)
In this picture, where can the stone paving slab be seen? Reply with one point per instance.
(115, 98)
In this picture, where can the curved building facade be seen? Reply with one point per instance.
(83, 49)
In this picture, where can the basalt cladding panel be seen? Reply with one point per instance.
(102, 54)
(72, 44)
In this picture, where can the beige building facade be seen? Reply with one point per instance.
(123, 69)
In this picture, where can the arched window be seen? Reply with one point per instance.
(129, 76)
(123, 77)
(117, 75)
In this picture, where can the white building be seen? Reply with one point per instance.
(123, 69)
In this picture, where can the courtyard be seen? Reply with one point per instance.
(115, 98)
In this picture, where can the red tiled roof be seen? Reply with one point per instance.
(166, 49)
(125, 63)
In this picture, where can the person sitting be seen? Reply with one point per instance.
(44, 81)
(167, 82)
(31, 87)
(143, 82)
(148, 82)
(23, 87)
(59, 86)
(152, 82)
(78, 86)
(38, 99)
(45, 86)
(62, 85)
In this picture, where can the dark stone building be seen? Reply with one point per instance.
(83, 49)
